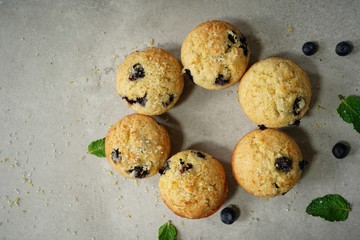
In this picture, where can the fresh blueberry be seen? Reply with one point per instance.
(343, 48)
(340, 150)
(283, 164)
(309, 48)
(229, 214)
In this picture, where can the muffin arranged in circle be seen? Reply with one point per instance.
(215, 55)
(150, 81)
(275, 92)
(267, 163)
(193, 184)
(137, 146)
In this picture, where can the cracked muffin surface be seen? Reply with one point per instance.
(267, 163)
(193, 184)
(150, 81)
(137, 146)
(275, 92)
(215, 55)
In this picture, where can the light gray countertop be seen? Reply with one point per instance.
(57, 94)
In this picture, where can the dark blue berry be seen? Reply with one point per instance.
(200, 155)
(309, 48)
(185, 166)
(296, 106)
(343, 48)
(231, 38)
(140, 100)
(137, 71)
(220, 80)
(116, 156)
(229, 214)
(296, 123)
(340, 150)
(283, 164)
(164, 168)
(167, 103)
(139, 171)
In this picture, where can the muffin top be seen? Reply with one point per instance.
(275, 92)
(150, 81)
(193, 184)
(267, 163)
(215, 55)
(137, 146)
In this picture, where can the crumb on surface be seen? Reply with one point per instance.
(318, 106)
(228, 93)
(152, 42)
(95, 70)
(290, 29)
(14, 202)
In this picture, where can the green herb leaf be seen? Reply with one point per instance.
(167, 231)
(349, 110)
(97, 148)
(331, 207)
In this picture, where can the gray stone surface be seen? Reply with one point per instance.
(57, 94)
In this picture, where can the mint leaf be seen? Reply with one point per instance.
(167, 231)
(349, 110)
(331, 207)
(97, 148)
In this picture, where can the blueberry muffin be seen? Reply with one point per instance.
(193, 184)
(150, 81)
(137, 146)
(215, 55)
(267, 163)
(275, 92)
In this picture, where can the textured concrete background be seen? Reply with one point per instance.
(57, 94)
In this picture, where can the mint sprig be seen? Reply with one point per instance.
(167, 231)
(349, 110)
(97, 148)
(331, 207)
